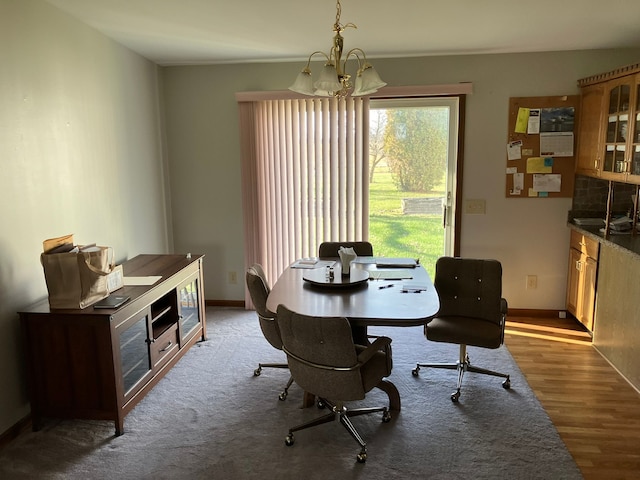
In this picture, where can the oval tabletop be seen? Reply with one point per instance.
(383, 301)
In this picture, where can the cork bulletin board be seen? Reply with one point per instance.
(541, 146)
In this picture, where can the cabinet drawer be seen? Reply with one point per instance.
(165, 346)
(584, 244)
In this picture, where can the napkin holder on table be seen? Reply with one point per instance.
(347, 255)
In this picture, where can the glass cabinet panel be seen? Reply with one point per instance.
(634, 134)
(134, 353)
(618, 129)
(608, 158)
(635, 161)
(188, 305)
(614, 97)
(619, 163)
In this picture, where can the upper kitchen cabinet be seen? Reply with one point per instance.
(589, 151)
(609, 135)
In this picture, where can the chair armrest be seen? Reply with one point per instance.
(380, 344)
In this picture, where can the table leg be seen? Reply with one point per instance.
(393, 394)
(308, 400)
(359, 333)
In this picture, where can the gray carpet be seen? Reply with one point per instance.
(211, 418)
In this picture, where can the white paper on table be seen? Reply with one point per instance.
(311, 264)
(137, 281)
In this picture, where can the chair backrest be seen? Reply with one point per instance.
(259, 291)
(469, 288)
(321, 354)
(330, 249)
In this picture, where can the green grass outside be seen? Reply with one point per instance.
(396, 235)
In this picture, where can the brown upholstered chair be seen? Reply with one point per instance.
(325, 362)
(330, 249)
(472, 312)
(259, 291)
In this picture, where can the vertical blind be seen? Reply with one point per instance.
(305, 177)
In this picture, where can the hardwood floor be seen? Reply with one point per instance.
(596, 411)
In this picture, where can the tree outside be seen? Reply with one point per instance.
(415, 142)
(408, 155)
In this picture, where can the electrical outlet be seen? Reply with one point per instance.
(475, 206)
(232, 277)
(532, 282)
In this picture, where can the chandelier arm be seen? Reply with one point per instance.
(334, 80)
(315, 53)
(354, 52)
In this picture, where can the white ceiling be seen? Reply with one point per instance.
(177, 32)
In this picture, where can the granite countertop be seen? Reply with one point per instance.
(627, 243)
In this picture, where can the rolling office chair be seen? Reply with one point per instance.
(259, 291)
(330, 249)
(325, 362)
(472, 312)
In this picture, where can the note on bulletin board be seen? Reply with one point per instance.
(541, 146)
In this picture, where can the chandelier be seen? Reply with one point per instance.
(333, 80)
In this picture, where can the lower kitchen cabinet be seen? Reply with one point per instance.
(582, 278)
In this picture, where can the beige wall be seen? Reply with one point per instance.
(529, 236)
(80, 152)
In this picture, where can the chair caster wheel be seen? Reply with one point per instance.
(386, 416)
(362, 457)
(455, 397)
(414, 372)
(256, 372)
(320, 404)
(288, 441)
(282, 397)
(506, 384)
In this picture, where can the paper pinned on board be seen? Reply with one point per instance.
(538, 165)
(514, 150)
(547, 183)
(522, 122)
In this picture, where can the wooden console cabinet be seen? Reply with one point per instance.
(98, 364)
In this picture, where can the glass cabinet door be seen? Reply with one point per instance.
(189, 308)
(635, 132)
(615, 155)
(134, 353)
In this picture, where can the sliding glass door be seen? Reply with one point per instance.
(413, 145)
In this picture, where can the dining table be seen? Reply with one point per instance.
(376, 292)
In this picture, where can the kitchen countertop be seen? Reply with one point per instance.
(626, 243)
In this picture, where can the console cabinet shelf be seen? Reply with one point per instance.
(98, 364)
